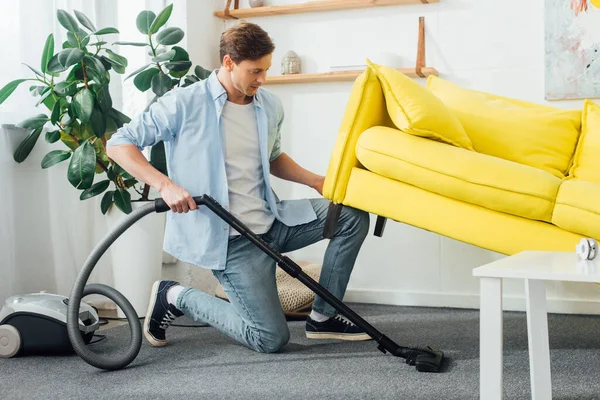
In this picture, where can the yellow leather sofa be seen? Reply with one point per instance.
(499, 173)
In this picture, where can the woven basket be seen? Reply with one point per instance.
(296, 299)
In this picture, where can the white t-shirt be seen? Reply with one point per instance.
(244, 169)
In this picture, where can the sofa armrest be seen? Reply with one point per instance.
(366, 108)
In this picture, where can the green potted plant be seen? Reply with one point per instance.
(73, 87)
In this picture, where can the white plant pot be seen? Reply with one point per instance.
(137, 256)
(13, 136)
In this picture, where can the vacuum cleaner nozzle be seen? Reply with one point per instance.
(425, 359)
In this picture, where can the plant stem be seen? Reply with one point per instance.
(85, 78)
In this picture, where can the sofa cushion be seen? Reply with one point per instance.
(460, 174)
(531, 134)
(577, 207)
(415, 110)
(586, 163)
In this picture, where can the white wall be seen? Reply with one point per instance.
(495, 46)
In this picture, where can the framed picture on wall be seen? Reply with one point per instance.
(572, 49)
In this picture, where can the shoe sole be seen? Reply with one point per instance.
(153, 296)
(340, 336)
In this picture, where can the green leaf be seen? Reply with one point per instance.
(162, 18)
(161, 84)
(177, 66)
(35, 71)
(82, 166)
(84, 20)
(158, 158)
(138, 44)
(47, 53)
(34, 122)
(95, 190)
(144, 21)
(55, 114)
(97, 43)
(117, 57)
(180, 63)
(123, 200)
(83, 105)
(66, 88)
(180, 54)
(103, 97)
(168, 55)
(119, 117)
(143, 81)
(201, 73)
(98, 122)
(107, 201)
(130, 182)
(169, 36)
(64, 59)
(27, 145)
(119, 68)
(76, 74)
(52, 136)
(66, 119)
(96, 70)
(47, 92)
(106, 31)
(10, 87)
(54, 157)
(67, 21)
(137, 71)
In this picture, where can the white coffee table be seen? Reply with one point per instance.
(535, 267)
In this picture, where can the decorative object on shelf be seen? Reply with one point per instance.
(257, 3)
(572, 64)
(313, 6)
(419, 71)
(290, 63)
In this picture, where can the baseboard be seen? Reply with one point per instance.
(459, 300)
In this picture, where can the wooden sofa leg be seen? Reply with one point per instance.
(380, 225)
(333, 214)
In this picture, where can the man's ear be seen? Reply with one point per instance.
(228, 63)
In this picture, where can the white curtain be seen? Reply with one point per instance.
(46, 232)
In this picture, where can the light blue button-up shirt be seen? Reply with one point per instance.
(188, 120)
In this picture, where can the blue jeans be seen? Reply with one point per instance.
(253, 316)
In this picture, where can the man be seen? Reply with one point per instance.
(222, 138)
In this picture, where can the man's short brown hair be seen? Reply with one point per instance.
(246, 41)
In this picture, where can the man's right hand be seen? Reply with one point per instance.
(177, 198)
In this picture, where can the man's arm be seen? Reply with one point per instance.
(285, 168)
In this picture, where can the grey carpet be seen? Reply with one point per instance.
(200, 363)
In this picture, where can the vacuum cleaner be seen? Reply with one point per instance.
(36, 323)
(425, 359)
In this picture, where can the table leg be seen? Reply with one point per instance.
(490, 339)
(537, 328)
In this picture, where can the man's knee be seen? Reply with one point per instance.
(357, 221)
(274, 341)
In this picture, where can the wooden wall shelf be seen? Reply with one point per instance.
(341, 76)
(314, 6)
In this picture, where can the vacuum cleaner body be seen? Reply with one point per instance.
(36, 323)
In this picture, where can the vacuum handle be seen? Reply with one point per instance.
(161, 206)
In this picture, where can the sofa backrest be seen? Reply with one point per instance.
(365, 109)
(540, 136)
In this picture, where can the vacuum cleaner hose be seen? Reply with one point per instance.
(80, 290)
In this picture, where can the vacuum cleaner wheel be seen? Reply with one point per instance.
(10, 341)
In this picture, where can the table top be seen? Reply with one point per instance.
(544, 265)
